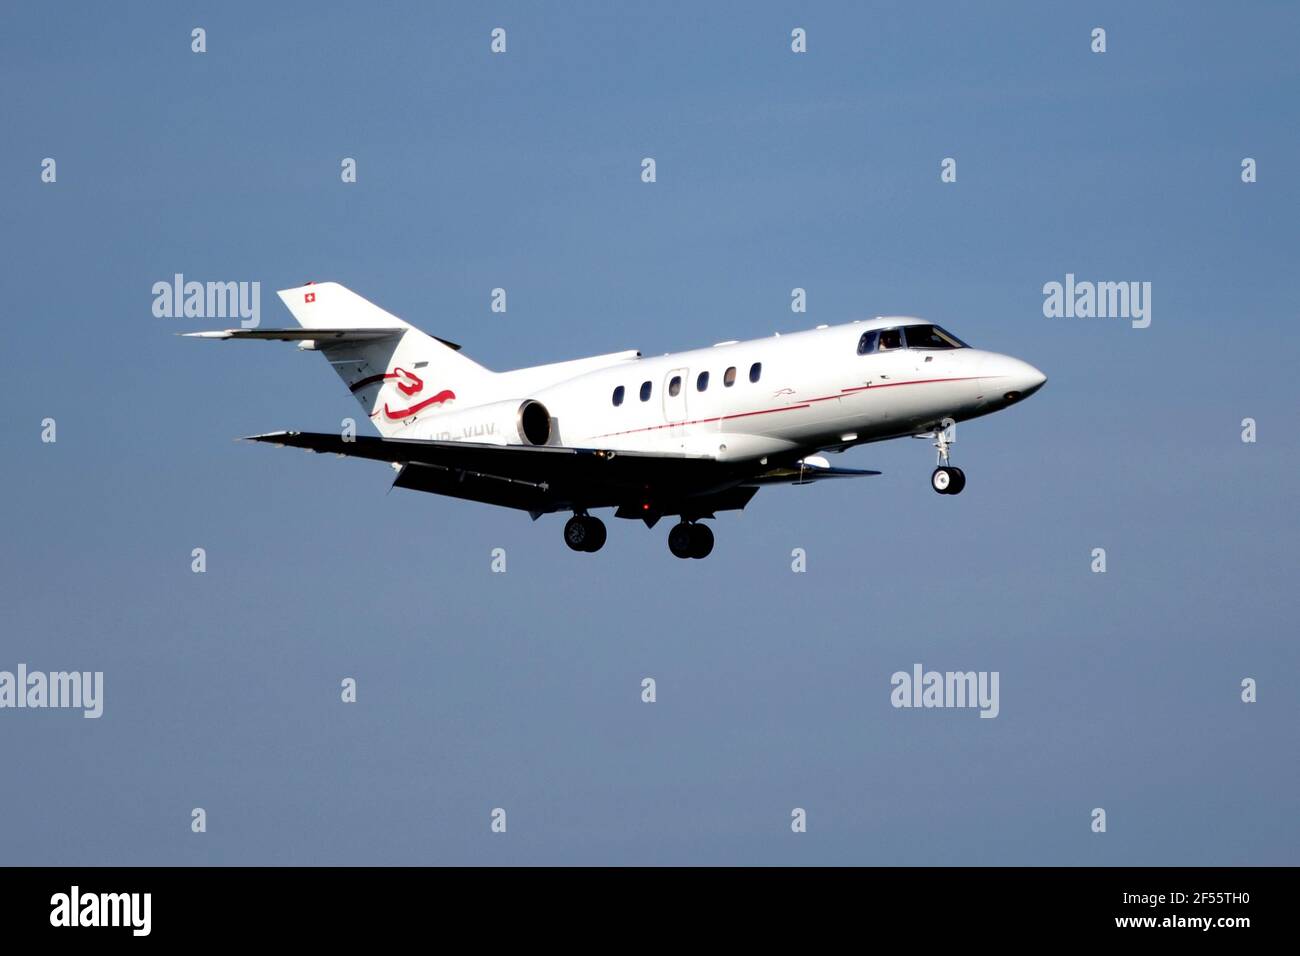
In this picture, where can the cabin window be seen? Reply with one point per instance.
(702, 381)
(675, 386)
(618, 396)
(867, 344)
(890, 339)
(729, 377)
(755, 371)
(645, 391)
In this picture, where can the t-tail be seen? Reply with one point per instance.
(395, 371)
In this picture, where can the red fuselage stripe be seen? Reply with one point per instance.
(786, 408)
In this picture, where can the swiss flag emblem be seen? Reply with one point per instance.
(309, 297)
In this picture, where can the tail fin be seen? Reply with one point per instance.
(328, 305)
(397, 372)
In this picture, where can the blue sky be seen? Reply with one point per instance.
(522, 690)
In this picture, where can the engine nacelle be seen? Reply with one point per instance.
(513, 422)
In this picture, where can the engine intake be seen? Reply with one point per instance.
(514, 421)
(534, 423)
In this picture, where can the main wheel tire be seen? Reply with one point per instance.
(941, 480)
(680, 539)
(701, 541)
(595, 535)
(577, 532)
(958, 481)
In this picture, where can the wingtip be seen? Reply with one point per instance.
(272, 437)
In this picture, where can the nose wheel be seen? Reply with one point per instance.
(690, 540)
(946, 479)
(584, 533)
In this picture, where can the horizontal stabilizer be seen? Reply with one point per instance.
(298, 335)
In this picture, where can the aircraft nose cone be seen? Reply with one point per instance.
(1011, 379)
(1031, 379)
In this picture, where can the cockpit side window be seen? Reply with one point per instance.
(867, 344)
(931, 337)
(890, 339)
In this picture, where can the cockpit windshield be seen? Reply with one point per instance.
(928, 337)
(931, 337)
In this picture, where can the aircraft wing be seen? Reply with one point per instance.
(544, 478)
(805, 472)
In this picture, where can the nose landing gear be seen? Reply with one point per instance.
(946, 479)
(582, 532)
(690, 540)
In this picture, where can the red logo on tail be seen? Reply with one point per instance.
(409, 384)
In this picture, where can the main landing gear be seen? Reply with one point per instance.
(690, 540)
(582, 532)
(946, 479)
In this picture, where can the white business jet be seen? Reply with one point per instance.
(684, 435)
